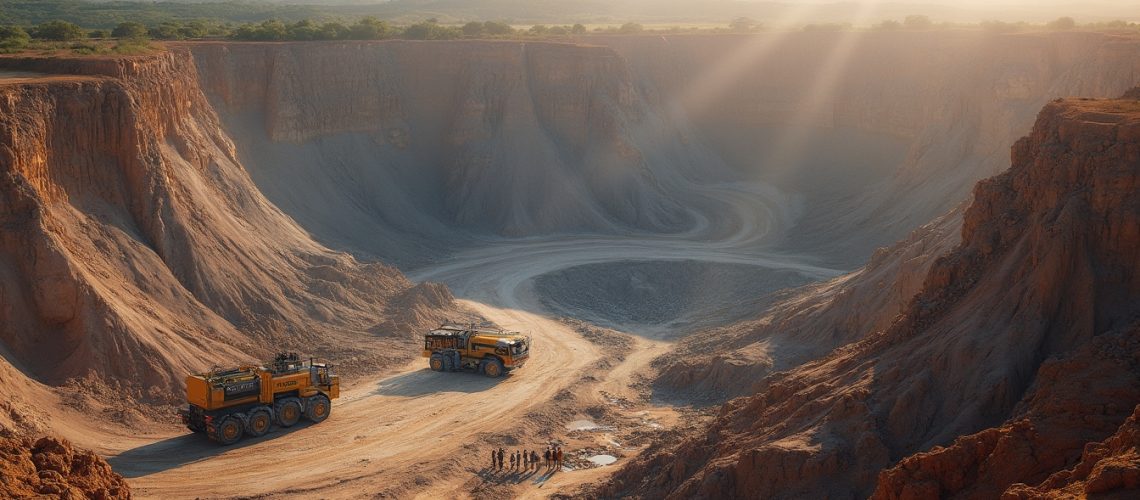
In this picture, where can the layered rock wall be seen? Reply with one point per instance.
(136, 247)
(505, 137)
(957, 98)
(1030, 322)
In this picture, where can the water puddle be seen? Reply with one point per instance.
(603, 459)
(582, 425)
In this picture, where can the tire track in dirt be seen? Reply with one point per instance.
(384, 432)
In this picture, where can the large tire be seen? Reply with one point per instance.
(288, 411)
(437, 362)
(258, 422)
(228, 431)
(493, 368)
(318, 408)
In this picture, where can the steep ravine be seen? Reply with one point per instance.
(1020, 348)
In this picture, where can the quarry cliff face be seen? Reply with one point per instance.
(417, 141)
(1019, 349)
(505, 137)
(136, 248)
(957, 99)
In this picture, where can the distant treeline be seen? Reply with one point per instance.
(15, 37)
(370, 28)
(109, 14)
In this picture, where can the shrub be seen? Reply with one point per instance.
(888, 25)
(370, 28)
(166, 31)
(194, 29)
(270, 30)
(332, 31)
(59, 31)
(472, 28)
(430, 31)
(497, 28)
(631, 28)
(13, 37)
(129, 30)
(916, 22)
(1062, 23)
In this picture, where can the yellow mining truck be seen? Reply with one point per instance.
(225, 404)
(491, 352)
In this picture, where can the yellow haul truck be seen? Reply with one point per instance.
(488, 351)
(248, 399)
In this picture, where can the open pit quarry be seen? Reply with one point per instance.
(752, 266)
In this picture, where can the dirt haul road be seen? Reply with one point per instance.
(404, 434)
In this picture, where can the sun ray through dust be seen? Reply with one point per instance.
(736, 64)
(817, 103)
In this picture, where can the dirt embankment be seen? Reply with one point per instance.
(136, 248)
(52, 468)
(805, 323)
(1030, 322)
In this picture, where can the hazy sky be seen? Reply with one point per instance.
(1006, 10)
(767, 11)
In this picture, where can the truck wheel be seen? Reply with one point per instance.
(437, 363)
(228, 431)
(258, 422)
(493, 368)
(288, 411)
(318, 408)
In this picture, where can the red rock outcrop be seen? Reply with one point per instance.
(1031, 321)
(51, 468)
(1107, 469)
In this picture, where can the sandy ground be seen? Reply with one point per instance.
(421, 433)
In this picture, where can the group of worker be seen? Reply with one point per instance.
(526, 460)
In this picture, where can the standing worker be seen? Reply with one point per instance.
(559, 453)
(500, 458)
(534, 459)
(526, 460)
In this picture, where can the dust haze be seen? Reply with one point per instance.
(814, 254)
